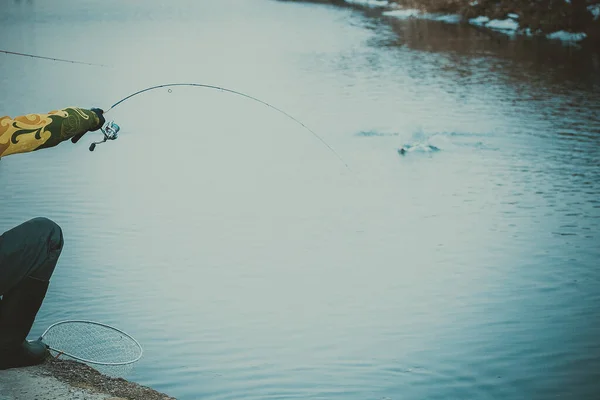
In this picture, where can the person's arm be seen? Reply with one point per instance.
(39, 131)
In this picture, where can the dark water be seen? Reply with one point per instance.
(250, 263)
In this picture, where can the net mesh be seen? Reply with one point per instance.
(92, 343)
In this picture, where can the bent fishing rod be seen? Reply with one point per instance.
(111, 129)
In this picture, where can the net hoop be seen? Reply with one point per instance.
(80, 321)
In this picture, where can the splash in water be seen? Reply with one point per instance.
(418, 148)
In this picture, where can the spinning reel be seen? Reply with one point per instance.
(110, 131)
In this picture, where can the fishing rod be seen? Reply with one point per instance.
(50, 58)
(111, 129)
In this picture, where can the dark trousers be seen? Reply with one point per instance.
(29, 250)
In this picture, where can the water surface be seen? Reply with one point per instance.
(244, 256)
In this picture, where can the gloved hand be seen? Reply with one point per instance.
(33, 132)
(100, 114)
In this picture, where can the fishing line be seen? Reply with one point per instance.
(50, 58)
(110, 132)
(222, 89)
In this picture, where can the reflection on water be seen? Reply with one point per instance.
(251, 264)
(469, 48)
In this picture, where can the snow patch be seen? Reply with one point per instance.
(369, 3)
(567, 36)
(503, 25)
(404, 13)
(595, 10)
(479, 21)
(448, 18)
(507, 26)
(413, 13)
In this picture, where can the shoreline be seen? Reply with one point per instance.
(70, 380)
(502, 16)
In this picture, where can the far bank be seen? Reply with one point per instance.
(569, 21)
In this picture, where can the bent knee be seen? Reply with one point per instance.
(51, 231)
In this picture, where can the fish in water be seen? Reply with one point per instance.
(418, 147)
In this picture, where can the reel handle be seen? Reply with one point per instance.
(110, 131)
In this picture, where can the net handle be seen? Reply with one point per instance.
(91, 361)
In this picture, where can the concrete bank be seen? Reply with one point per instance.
(61, 379)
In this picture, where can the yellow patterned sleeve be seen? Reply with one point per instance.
(38, 131)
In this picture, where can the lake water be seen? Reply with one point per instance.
(250, 263)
